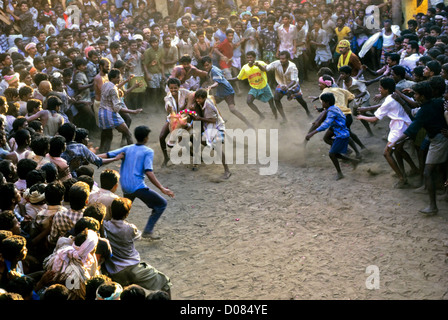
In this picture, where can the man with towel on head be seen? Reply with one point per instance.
(348, 58)
(31, 51)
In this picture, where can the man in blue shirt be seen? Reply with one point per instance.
(224, 90)
(138, 163)
(335, 120)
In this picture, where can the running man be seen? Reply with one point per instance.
(258, 81)
(224, 90)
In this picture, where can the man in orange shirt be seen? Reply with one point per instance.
(348, 58)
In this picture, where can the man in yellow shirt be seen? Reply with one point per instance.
(342, 33)
(258, 82)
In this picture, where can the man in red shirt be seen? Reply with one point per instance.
(225, 51)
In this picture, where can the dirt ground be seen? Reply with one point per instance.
(297, 234)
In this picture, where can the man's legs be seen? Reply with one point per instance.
(430, 182)
(388, 154)
(128, 120)
(153, 201)
(250, 102)
(401, 154)
(106, 140)
(127, 135)
(274, 109)
(334, 158)
(162, 137)
(277, 100)
(304, 105)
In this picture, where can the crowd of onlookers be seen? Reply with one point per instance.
(65, 235)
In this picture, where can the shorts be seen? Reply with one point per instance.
(156, 81)
(438, 150)
(294, 93)
(109, 119)
(339, 145)
(397, 127)
(264, 94)
(230, 99)
(213, 136)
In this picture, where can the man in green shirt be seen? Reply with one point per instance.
(154, 70)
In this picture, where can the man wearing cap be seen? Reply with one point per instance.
(439, 20)
(139, 38)
(348, 58)
(31, 51)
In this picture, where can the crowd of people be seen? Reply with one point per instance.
(74, 68)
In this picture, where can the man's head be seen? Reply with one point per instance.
(14, 248)
(81, 64)
(33, 106)
(31, 49)
(45, 87)
(5, 59)
(185, 61)
(200, 96)
(229, 34)
(387, 86)
(68, 131)
(114, 75)
(120, 208)
(392, 59)
(109, 179)
(432, 69)
(286, 19)
(9, 196)
(79, 195)
(250, 57)
(104, 65)
(154, 42)
(141, 133)
(398, 73)
(9, 222)
(345, 72)
(284, 57)
(207, 63)
(344, 46)
(327, 99)
(422, 91)
(93, 56)
(54, 193)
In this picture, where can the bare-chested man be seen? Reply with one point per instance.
(100, 79)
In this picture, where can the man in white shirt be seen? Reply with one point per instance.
(287, 78)
(287, 35)
(106, 193)
(399, 122)
(411, 56)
